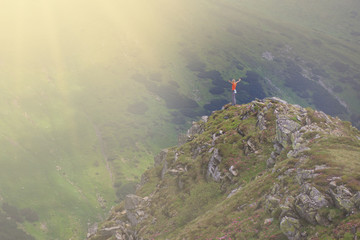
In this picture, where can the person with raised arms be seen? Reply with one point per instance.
(233, 89)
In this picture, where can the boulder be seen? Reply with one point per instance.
(233, 171)
(133, 219)
(271, 203)
(132, 206)
(284, 128)
(342, 198)
(287, 209)
(290, 227)
(308, 202)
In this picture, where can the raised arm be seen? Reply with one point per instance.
(238, 80)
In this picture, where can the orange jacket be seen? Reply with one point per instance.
(233, 86)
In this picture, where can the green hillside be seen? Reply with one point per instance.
(92, 90)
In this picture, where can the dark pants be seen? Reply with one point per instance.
(233, 98)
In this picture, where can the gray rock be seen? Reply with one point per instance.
(245, 116)
(132, 217)
(290, 227)
(308, 202)
(233, 192)
(213, 169)
(271, 203)
(249, 147)
(233, 171)
(164, 170)
(287, 209)
(205, 119)
(120, 236)
(261, 123)
(144, 179)
(299, 145)
(240, 132)
(275, 189)
(161, 157)
(270, 162)
(278, 147)
(277, 100)
(196, 128)
(284, 128)
(132, 202)
(297, 152)
(268, 221)
(303, 175)
(332, 185)
(321, 167)
(92, 230)
(133, 205)
(342, 198)
(344, 192)
(175, 172)
(356, 200)
(324, 116)
(273, 155)
(180, 183)
(321, 220)
(289, 172)
(197, 150)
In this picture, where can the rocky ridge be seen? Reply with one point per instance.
(264, 170)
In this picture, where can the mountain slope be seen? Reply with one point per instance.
(91, 90)
(263, 170)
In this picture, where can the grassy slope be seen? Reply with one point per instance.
(48, 158)
(67, 88)
(201, 210)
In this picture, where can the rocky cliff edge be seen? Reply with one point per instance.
(264, 170)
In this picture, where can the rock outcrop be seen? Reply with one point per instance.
(264, 170)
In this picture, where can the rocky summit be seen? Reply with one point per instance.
(263, 170)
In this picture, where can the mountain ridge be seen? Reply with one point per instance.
(262, 170)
